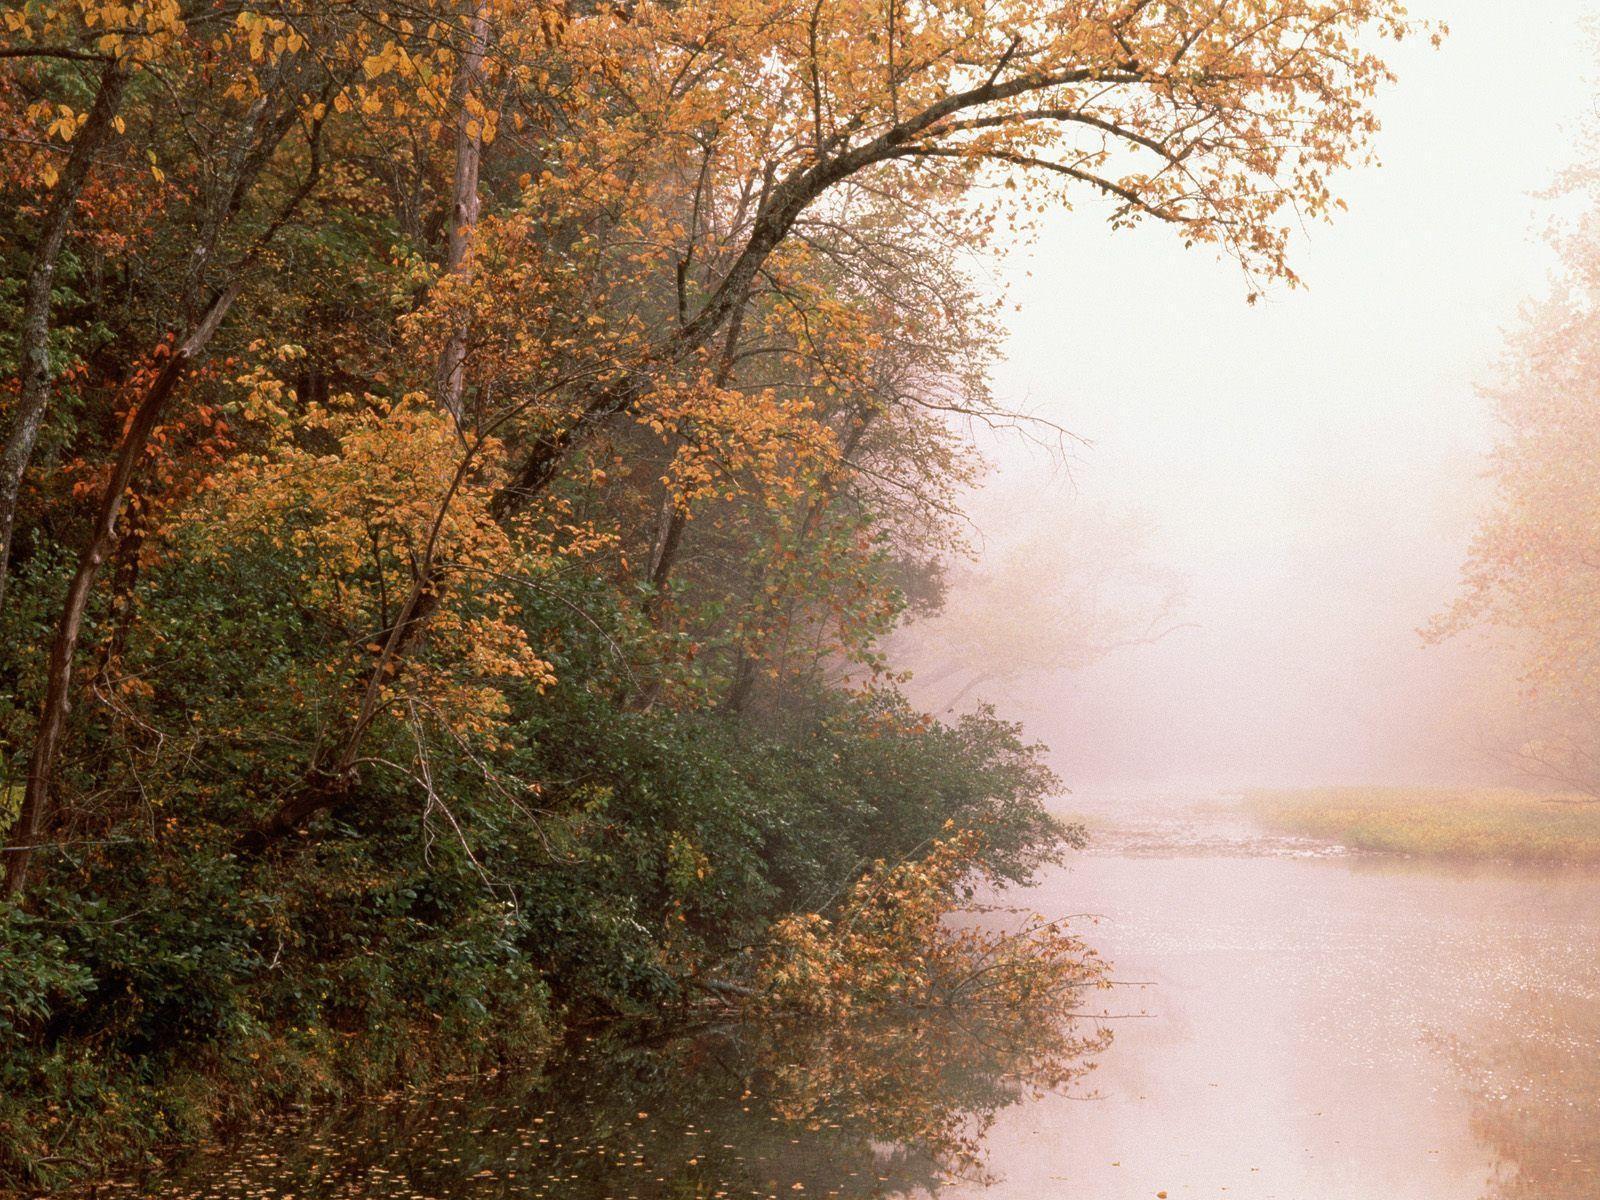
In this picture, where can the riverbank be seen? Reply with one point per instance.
(1363, 977)
(859, 1023)
(1467, 824)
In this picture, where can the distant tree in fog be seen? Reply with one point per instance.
(1065, 596)
(1533, 572)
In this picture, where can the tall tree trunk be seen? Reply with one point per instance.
(34, 816)
(744, 682)
(253, 148)
(34, 326)
(669, 537)
(464, 207)
(328, 782)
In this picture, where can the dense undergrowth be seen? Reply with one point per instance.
(165, 986)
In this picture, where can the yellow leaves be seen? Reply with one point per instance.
(255, 28)
(481, 122)
(136, 31)
(892, 944)
(351, 527)
(268, 38)
(66, 124)
(385, 60)
(674, 126)
(731, 440)
(687, 865)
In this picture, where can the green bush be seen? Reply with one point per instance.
(604, 857)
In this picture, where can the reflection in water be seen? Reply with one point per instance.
(1324, 1027)
(1320, 1027)
(1535, 1083)
(737, 1110)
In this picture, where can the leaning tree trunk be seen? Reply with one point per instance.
(33, 399)
(258, 140)
(36, 799)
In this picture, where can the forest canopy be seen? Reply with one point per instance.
(460, 461)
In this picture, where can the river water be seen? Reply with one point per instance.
(1289, 1022)
(1322, 1026)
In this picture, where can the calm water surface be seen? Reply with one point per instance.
(1324, 1027)
(1291, 1023)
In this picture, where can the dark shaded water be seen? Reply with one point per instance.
(733, 1109)
(1307, 1025)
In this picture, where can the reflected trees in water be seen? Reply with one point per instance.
(841, 1108)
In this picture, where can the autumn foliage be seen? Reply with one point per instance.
(460, 463)
(897, 940)
(1529, 579)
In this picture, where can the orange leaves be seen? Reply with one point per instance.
(734, 443)
(65, 124)
(351, 526)
(893, 943)
(267, 38)
(179, 459)
(1221, 118)
(740, 223)
(136, 31)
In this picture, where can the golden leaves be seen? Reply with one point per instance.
(892, 943)
(734, 442)
(66, 124)
(350, 527)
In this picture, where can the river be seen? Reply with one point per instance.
(1322, 1026)
(1289, 1022)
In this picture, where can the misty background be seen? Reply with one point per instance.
(1307, 470)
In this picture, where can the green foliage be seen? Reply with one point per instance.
(604, 860)
(36, 973)
(492, 848)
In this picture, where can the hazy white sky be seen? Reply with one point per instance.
(1310, 462)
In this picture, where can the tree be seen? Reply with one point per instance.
(1218, 118)
(1052, 603)
(1531, 573)
(286, 78)
(595, 297)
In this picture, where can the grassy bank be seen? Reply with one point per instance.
(1462, 824)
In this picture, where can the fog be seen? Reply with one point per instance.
(1310, 466)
